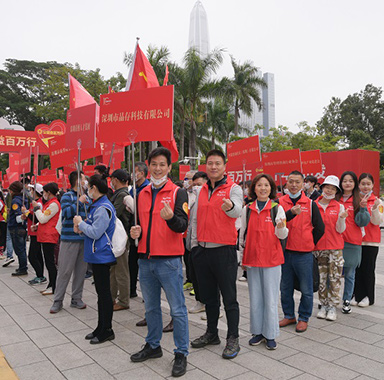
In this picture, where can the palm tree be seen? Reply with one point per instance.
(198, 71)
(242, 89)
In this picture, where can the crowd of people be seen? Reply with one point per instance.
(304, 237)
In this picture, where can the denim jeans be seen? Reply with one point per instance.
(301, 266)
(19, 238)
(349, 282)
(9, 245)
(155, 274)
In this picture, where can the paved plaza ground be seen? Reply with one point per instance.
(38, 345)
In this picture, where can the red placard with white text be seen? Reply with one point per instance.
(44, 179)
(15, 141)
(148, 114)
(244, 151)
(183, 170)
(14, 163)
(311, 162)
(284, 162)
(81, 126)
(118, 153)
(25, 160)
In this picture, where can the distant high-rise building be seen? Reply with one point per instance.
(198, 29)
(268, 103)
(265, 116)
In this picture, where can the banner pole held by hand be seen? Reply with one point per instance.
(78, 174)
(132, 136)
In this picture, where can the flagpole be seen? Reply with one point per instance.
(110, 158)
(132, 136)
(23, 186)
(78, 174)
(34, 186)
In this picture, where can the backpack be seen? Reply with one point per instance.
(119, 238)
(59, 224)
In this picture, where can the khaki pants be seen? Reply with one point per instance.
(119, 276)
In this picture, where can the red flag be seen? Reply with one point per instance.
(110, 90)
(78, 95)
(141, 76)
(166, 76)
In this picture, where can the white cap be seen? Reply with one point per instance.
(39, 187)
(331, 180)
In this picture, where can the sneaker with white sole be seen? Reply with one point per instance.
(47, 292)
(198, 308)
(353, 302)
(364, 302)
(331, 314)
(204, 317)
(346, 309)
(10, 260)
(322, 312)
(242, 278)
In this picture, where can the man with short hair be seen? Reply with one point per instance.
(119, 273)
(71, 255)
(163, 218)
(218, 204)
(306, 227)
(310, 182)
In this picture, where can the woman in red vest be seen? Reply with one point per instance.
(365, 273)
(262, 227)
(3, 225)
(329, 249)
(358, 217)
(47, 234)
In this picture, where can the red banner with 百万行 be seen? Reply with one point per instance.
(240, 173)
(311, 162)
(281, 163)
(142, 115)
(15, 141)
(244, 151)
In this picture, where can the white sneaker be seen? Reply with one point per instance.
(364, 302)
(47, 292)
(353, 302)
(242, 278)
(8, 261)
(204, 317)
(322, 312)
(331, 314)
(198, 308)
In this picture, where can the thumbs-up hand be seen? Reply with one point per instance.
(166, 212)
(227, 204)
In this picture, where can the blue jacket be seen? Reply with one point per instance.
(101, 221)
(68, 211)
(17, 202)
(138, 189)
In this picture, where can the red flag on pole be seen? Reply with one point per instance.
(166, 76)
(78, 95)
(141, 76)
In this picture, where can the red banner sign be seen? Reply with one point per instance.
(15, 141)
(283, 162)
(202, 168)
(311, 162)
(46, 132)
(144, 115)
(81, 126)
(244, 151)
(25, 160)
(118, 153)
(183, 170)
(12, 176)
(14, 162)
(251, 171)
(44, 179)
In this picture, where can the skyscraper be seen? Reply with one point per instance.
(268, 103)
(198, 29)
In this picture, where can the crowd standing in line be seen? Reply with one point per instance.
(284, 241)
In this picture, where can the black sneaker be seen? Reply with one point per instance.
(147, 353)
(179, 365)
(205, 340)
(232, 348)
(20, 273)
(346, 309)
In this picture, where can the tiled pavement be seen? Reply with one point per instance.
(39, 345)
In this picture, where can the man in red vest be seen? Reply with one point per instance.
(214, 236)
(162, 220)
(306, 227)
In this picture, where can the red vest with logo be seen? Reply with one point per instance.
(162, 241)
(29, 221)
(372, 232)
(331, 238)
(213, 224)
(47, 233)
(262, 246)
(352, 233)
(300, 238)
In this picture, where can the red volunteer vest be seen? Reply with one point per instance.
(372, 232)
(331, 238)
(163, 241)
(47, 233)
(29, 222)
(352, 233)
(2, 211)
(213, 224)
(300, 238)
(262, 246)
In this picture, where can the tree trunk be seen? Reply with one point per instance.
(192, 146)
(213, 144)
(236, 131)
(182, 138)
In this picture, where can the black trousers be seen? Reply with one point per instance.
(104, 299)
(3, 235)
(192, 275)
(216, 272)
(133, 266)
(187, 263)
(365, 274)
(35, 256)
(49, 258)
